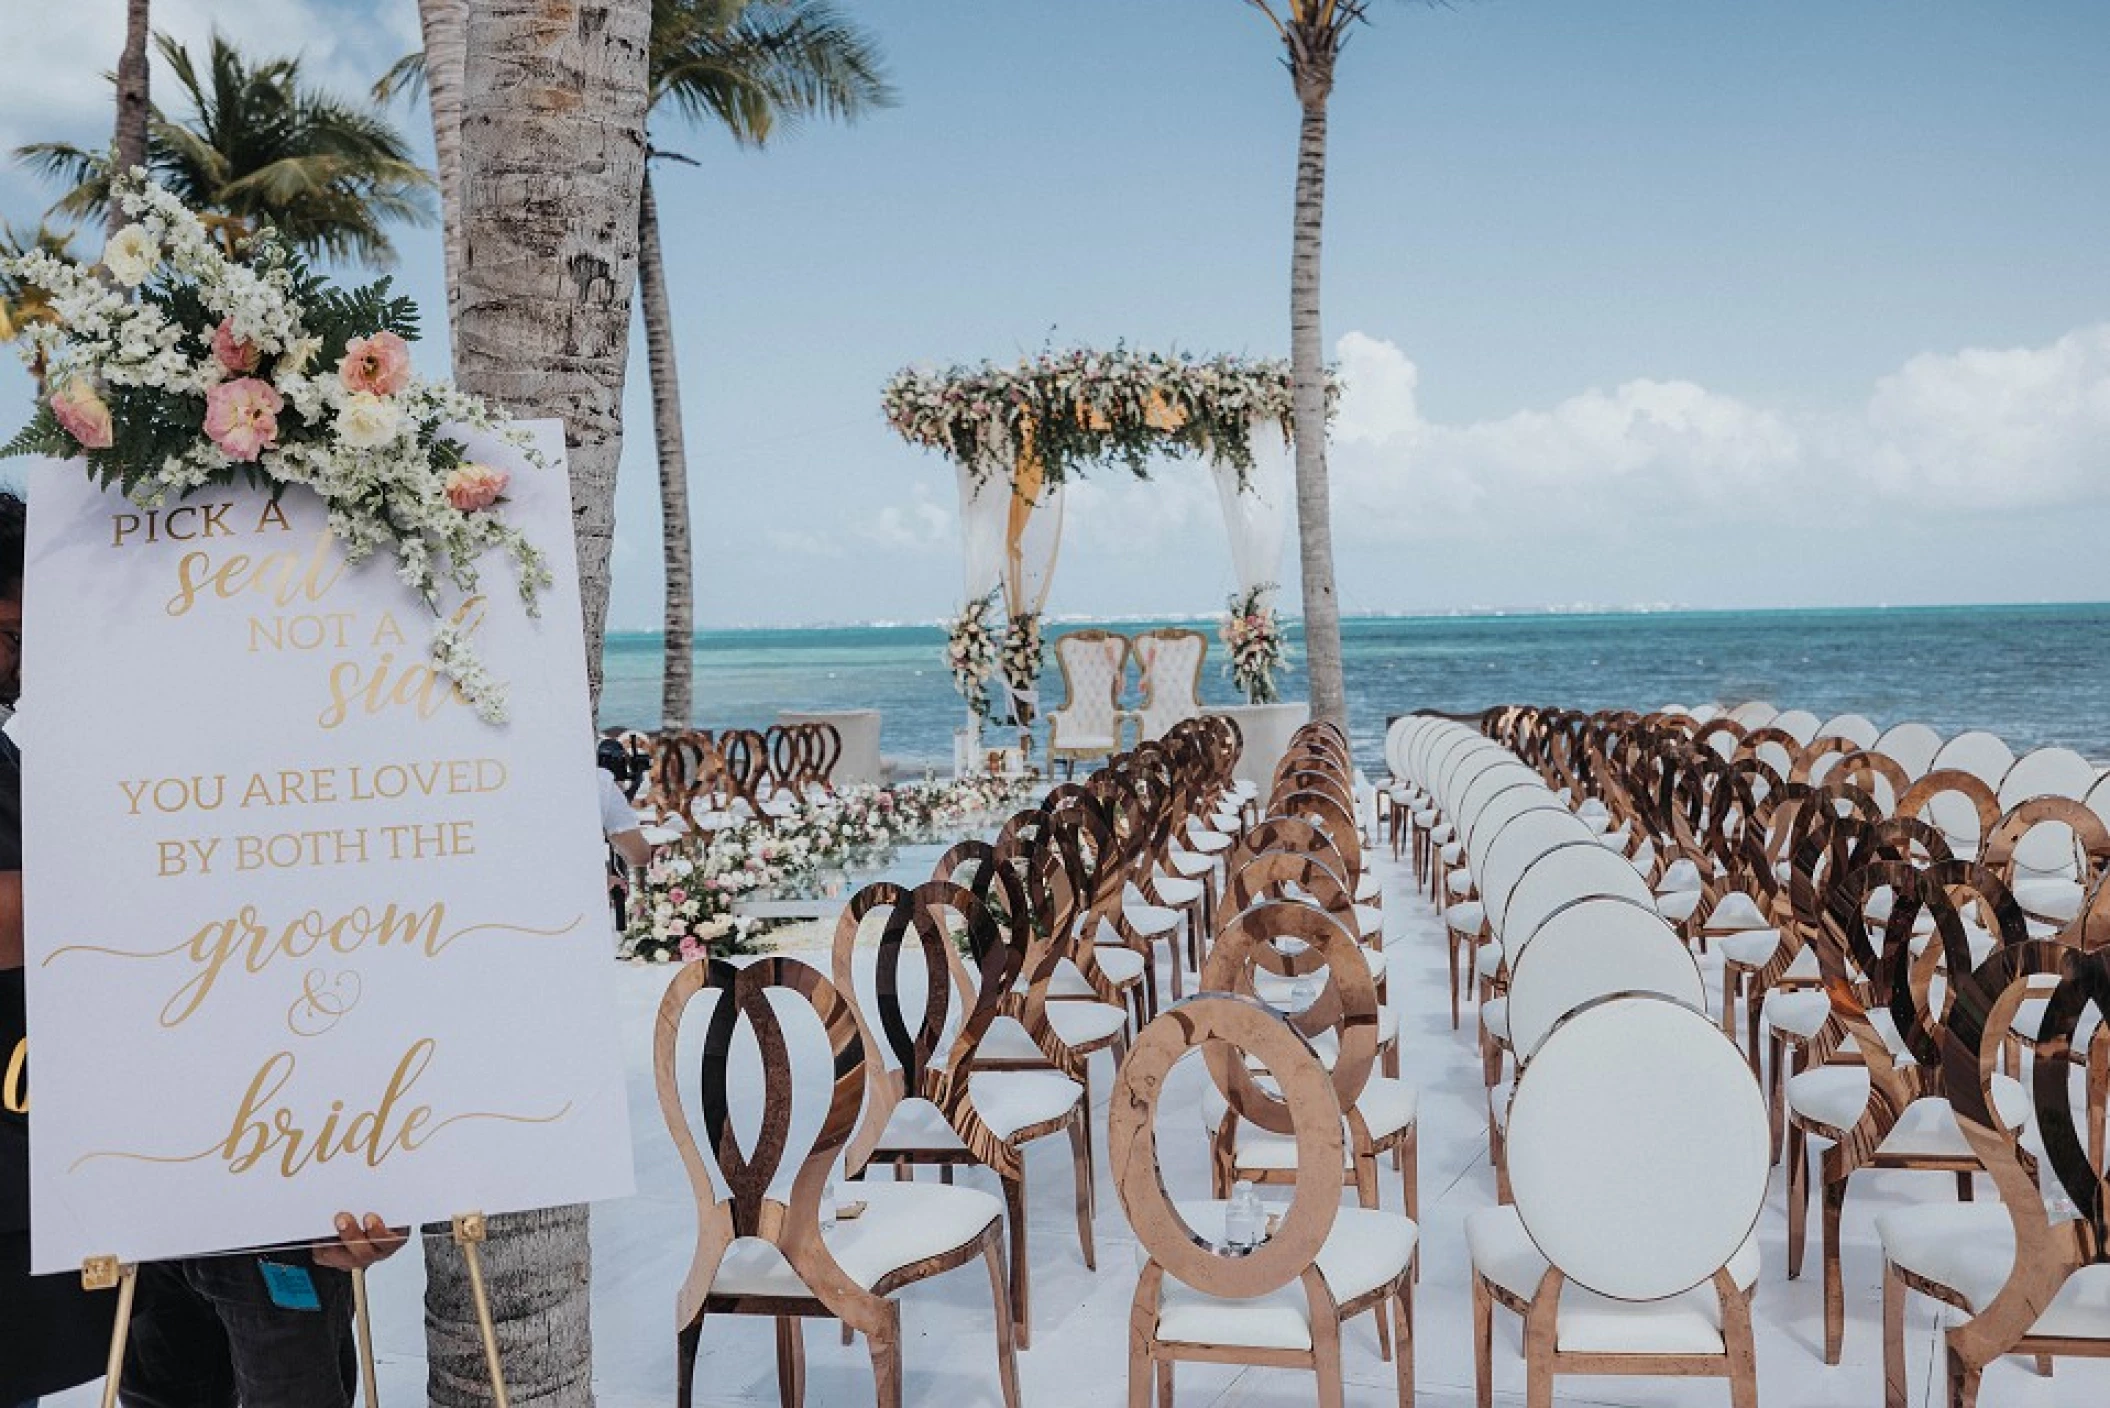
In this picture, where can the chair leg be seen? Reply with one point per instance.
(1384, 1331)
(1895, 1393)
(1403, 1332)
(1021, 1289)
(1081, 1169)
(1834, 1279)
(1326, 1359)
(1455, 939)
(1963, 1383)
(791, 1361)
(1006, 1332)
(1164, 1378)
(1798, 1158)
(685, 1345)
(885, 1346)
(1483, 1345)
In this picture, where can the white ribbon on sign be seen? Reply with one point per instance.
(1256, 515)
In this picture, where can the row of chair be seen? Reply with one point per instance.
(1631, 1149)
(711, 780)
(1856, 901)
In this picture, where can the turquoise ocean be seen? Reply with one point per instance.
(2036, 675)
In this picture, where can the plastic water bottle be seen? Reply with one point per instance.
(1242, 1219)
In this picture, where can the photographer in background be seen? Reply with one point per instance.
(616, 772)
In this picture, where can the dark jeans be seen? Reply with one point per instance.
(205, 1334)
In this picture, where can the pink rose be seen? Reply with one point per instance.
(241, 417)
(82, 414)
(476, 486)
(691, 950)
(677, 895)
(231, 352)
(379, 364)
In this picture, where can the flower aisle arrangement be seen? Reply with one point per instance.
(1252, 635)
(1080, 407)
(685, 905)
(178, 367)
(1023, 654)
(971, 652)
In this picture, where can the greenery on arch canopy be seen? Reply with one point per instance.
(1086, 407)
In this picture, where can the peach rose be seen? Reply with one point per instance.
(241, 417)
(379, 364)
(476, 486)
(82, 414)
(239, 357)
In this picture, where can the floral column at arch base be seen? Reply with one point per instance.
(1256, 509)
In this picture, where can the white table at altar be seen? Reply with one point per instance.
(1267, 729)
(859, 729)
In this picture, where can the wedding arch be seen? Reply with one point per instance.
(1016, 436)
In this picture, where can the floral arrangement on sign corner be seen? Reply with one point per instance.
(1081, 407)
(971, 651)
(178, 368)
(1252, 634)
(1023, 652)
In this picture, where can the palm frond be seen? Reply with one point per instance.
(761, 66)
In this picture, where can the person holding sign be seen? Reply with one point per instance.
(53, 1334)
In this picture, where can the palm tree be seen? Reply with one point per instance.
(259, 146)
(23, 305)
(132, 102)
(437, 70)
(752, 67)
(1312, 32)
(553, 102)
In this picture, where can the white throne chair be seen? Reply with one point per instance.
(1171, 662)
(1087, 725)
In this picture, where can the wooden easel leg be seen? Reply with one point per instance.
(101, 1274)
(469, 1236)
(363, 1328)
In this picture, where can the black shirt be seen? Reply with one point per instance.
(53, 1334)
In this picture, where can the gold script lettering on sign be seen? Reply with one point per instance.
(14, 1092)
(282, 577)
(370, 688)
(246, 938)
(263, 1128)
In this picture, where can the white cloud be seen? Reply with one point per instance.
(1948, 432)
(56, 88)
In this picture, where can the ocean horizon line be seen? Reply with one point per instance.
(1575, 611)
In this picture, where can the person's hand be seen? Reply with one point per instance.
(360, 1246)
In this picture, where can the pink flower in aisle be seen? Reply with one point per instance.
(241, 417)
(691, 950)
(82, 414)
(379, 364)
(237, 356)
(472, 487)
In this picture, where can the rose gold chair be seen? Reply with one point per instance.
(763, 1248)
(934, 1104)
(1285, 1303)
(1638, 1160)
(2027, 1281)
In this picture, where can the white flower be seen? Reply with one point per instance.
(131, 256)
(299, 353)
(366, 421)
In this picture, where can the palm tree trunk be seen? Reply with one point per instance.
(680, 630)
(132, 104)
(1307, 358)
(446, 27)
(553, 153)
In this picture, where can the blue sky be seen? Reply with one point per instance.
(1640, 302)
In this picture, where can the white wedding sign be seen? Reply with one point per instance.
(304, 935)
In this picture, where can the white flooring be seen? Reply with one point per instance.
(1079, 1356)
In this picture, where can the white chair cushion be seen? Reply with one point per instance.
(1682, 874)
(1189, 863)
(1737, 910)
(1387, 1106)
(1796, 1012)
(1178, 889)
(1677, 905)
(1754, 948)
(2051, 897)
(1494, 1015)
(1365, 1250)
(1467, 917)
(903, 1223)
(1460, 882)
(1149, 920)
(1074, 1024)
(1970, 1248)
(1691, 1323)
(1836, 1095)
(1245, 789)
(1208, 842)
(1453, 852)
(1369, 921)
(1007, 1101)
(1368, 889)
(1070, 740)
(1121, 964)
(1488, 962)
